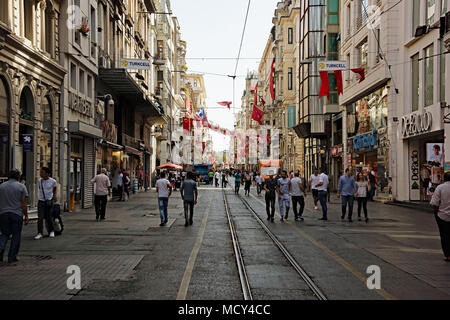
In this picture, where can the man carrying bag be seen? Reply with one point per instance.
(47, 190)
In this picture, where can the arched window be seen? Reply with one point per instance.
(4, 129)
(46, 138)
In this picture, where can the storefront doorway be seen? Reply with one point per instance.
(76, 173)
(4, 131)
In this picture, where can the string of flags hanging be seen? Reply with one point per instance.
(337, 67)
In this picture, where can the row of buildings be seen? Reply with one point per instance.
(393, 122)
(89, 84)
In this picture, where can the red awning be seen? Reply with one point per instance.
(170, 166)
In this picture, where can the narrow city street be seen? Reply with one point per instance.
(129, 256)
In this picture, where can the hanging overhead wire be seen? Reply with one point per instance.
(242, 37)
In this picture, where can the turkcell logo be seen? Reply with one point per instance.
(135, 64)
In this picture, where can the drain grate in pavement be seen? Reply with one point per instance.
(106, 241)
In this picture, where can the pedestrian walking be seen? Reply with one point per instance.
(164, 191)
(102, 191)
(248, 184)
(270, 186)
(347, 190)
(363, 192)
(147, 181)
(259, 183)
(284, 188)
(237, 182)
(322, 187)
(441, 203)
(120, 185)
(47, 197)
(224, 179)
(211, 177)
(189, 194)
(313, 181)
(217, 177)
(13, 214)
(126, 186)
(298, 196)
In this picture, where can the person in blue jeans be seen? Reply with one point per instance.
(164, 190)
(347, 190)
(13, 214)
(322, 188)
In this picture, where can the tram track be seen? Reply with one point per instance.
(243, 276)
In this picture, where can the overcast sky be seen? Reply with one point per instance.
(213, 29)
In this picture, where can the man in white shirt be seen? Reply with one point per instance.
(47, 197)
(164, 191)
(322, 187)
(259, 183)
(217, 177)
(102, 191)
(313, 181)
(441, 204)
(298, 196)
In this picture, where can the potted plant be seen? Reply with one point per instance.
(84, 29)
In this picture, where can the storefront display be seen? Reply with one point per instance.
(369, 148)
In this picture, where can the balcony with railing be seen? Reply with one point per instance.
(131, 142)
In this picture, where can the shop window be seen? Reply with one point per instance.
(333, 12)
(290, 78)
(4, 129)
(431, 11)
(429, 66)
(81, 82)
(73, 76)
(28, 8)
(290, 35)
(4, 11)
(45, 141)
(415, 82)
(333, 46)
(415, 16)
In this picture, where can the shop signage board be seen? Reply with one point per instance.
(27, 142)
(416, 123)
(333, 65)
(414, 171)
(135, 64)
(365, 141)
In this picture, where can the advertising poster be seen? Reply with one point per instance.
(435, 154)
(435, 161)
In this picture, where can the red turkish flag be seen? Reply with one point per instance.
(186, 124)
(361, 73)
(340, 87)
(272, 70)
(203, 146)
(255, 102)
(225, 104)
(257, 115)
(325, 88)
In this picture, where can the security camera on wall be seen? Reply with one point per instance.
(111, 103)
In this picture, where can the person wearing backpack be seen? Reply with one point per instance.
(47, 197)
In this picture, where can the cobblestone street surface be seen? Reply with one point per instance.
(129, 256)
